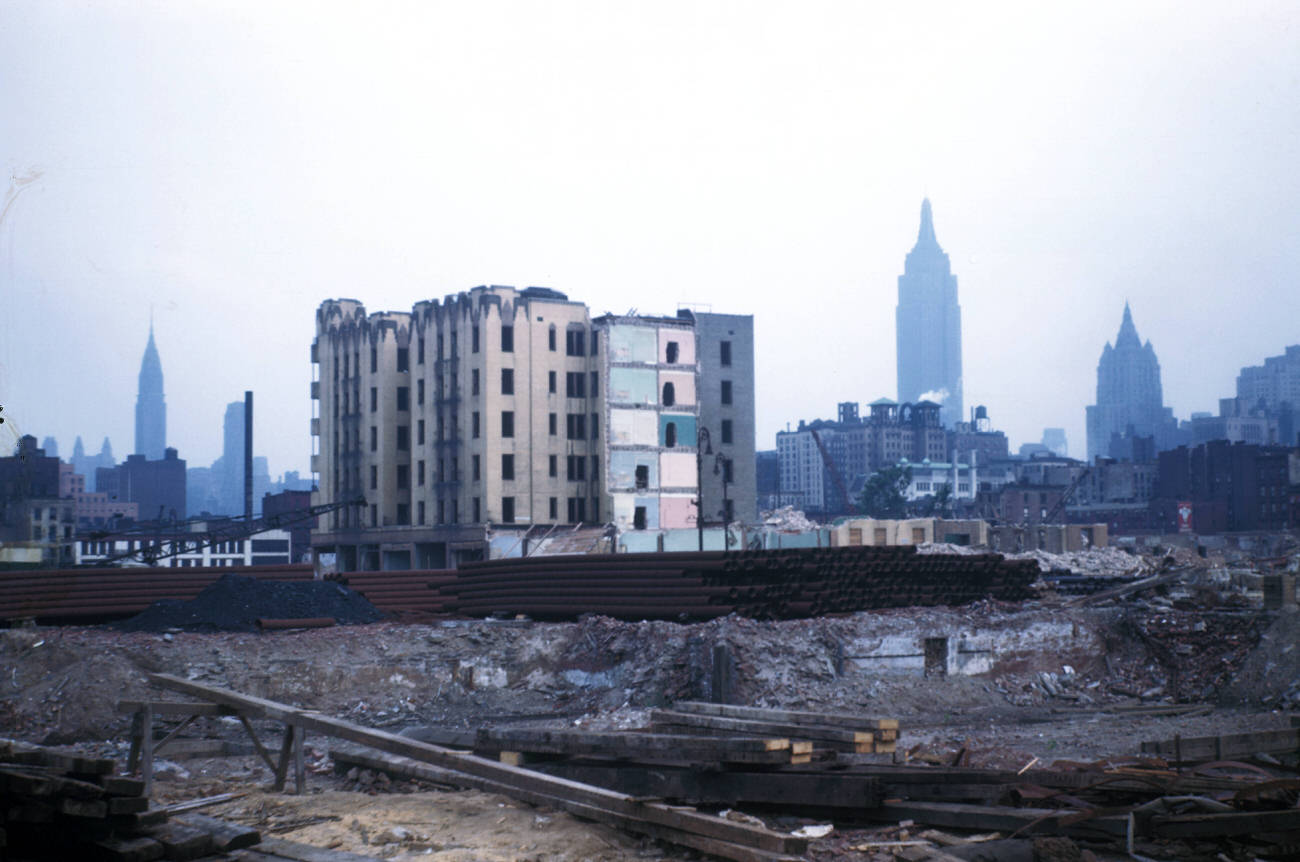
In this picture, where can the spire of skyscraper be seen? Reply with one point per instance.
(1130, 400)
(925, 236)
(150, 408)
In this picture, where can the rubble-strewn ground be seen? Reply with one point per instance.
(1052, 685)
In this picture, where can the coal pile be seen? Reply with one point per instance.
(236, 603)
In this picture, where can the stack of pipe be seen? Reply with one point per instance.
(64, 595)
(777, 584)
(414, 592)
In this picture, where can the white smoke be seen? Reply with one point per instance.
(938, 396)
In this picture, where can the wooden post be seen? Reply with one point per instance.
(721, 677)
(299, 767)
(133, 758)
(282, 767)
(146, 747)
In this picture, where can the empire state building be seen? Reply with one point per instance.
(929, 326)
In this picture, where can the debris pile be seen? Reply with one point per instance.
(236, 603)
(788, 519)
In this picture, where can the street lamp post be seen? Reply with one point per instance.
(703, 446)
(720, 467)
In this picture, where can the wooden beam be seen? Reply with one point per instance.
(839, 739)
(1225, 824)
(848, 720)
(1029, 821)
(171, 707)
(1196, 748)
(522, 783)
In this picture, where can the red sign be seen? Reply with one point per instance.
(1184, 517)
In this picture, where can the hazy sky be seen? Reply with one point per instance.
(232, 164)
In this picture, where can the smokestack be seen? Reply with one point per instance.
(248, 454)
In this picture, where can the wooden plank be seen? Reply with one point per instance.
(828, 737)
(398, 765)
(226, 836)
(1033, 821)
(845, 720)
(568, 794)
(1225, 824)
(642, 747)
(118, 849)
(182, 843)
(1226, 747)
(202, 802)
(172, 707)
(120, 785)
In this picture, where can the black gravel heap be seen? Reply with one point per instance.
(234, 603)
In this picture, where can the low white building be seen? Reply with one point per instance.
(928, 477)
(267, 548)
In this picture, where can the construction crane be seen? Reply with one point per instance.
(1065, 498)
(230, 529)
(831, 468)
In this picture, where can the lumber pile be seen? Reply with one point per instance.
(57, 806)
(714, 835)
(840, 732)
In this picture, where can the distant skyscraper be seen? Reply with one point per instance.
(1130, 402)
(150, 410)
(929, 326)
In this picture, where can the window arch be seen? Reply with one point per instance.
(670, 434)
(670, 394)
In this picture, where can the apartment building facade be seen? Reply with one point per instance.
(497, 409)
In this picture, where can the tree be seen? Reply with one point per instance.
(941, 502)
(883, 494)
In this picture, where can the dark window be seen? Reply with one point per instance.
(507, 423)
(403, 398)
(638, 518)
(374, 515)
(670, 434)
(726, 392)
(453, 346)
(419, 358)
(403, 437)
(726, 431)
(577, 468)
(575, 385)
(477, 511)
(473, 340)
(724, 353)
(507, 381)
(419, 432)
(508, 509)
(473, 382)
(442, 512)
(576, 426)
(553, 423)
(508, 467)
(728, 471)
(595, 468)
(595, 426)
(577, 510)
(419, 508)
(403, 476)
(670, 354)
(374, 439)
(374, 477)
(419, 391)
(473, 425)
(374, 398)
(474, 473)
(403, 513)
(550, 338)
(554, 463)
(374, 361)
(595, 384)
(507, 342)
(575, 342)
(550, 381)
(419, 476)
(403, 359)
(555, 508)
(595, 340)
(670, 394)
(642, 482)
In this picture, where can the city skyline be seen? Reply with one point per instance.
(772, 168)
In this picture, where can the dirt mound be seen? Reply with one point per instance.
(1271, 673)
(236, 603)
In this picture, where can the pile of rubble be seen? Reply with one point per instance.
(788, 519)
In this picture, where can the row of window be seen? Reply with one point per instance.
(577, 511)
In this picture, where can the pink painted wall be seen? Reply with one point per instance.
(685, 339)
(676, 512)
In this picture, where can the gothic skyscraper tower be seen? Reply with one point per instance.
(929, 326)
(150, 409)
(1129, 395)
